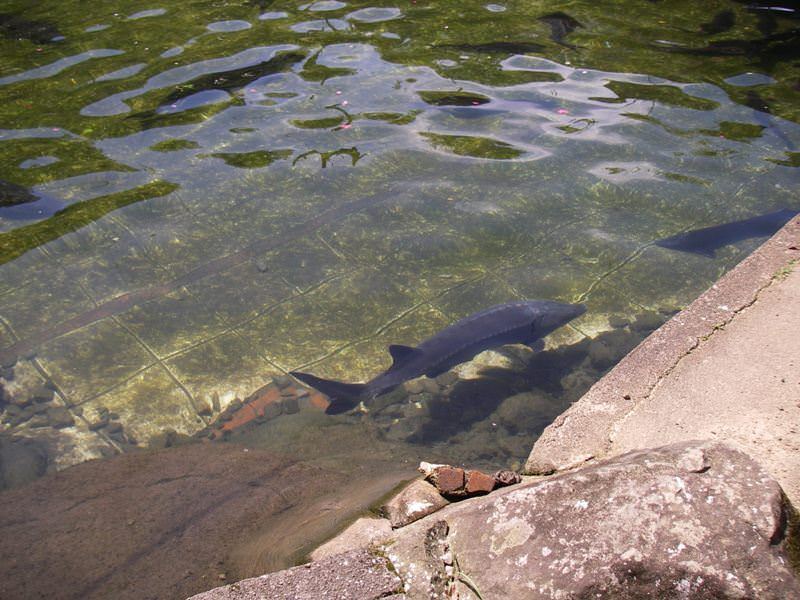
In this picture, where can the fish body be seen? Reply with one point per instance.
(523, 322)
(708, 240)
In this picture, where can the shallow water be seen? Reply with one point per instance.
(232, 190)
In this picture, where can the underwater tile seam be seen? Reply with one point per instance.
(382, 329)
(69, 405)
(630, 258)
(161, 363)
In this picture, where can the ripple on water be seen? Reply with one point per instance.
(749, 79)
(323, 6)
(375, 14)
(144, 14)
(228, 26)
(272, 16)
(321, 25)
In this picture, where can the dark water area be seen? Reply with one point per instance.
(197, 199)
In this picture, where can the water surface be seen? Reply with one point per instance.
(236, 190)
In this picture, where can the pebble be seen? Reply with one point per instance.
(282, 381)
(9, 363)
(38, 408)
(618, 322)
(430, 386)
(273, 410)
(12, 411)
(114, 427)
(42, 394)
(647, 322)
(414, 386)
(447, 378)
(290, 406)
(506, 477)
(59, 417)
(37, 421)
(601, 355)
(118, 437)
(101, 422)
(21, 400)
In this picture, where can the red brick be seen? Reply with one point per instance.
(448, 480)
(479, 482)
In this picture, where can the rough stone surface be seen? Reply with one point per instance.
(415, 501)
(690, 520)
(361, 534)
(354, 575)
(505, 477)
(725, 368)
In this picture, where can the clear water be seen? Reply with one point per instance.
(232, 190)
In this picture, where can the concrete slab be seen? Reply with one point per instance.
(726, 367)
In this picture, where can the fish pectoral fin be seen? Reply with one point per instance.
(402, 354)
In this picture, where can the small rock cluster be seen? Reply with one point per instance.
(441, 485)
(455, 482)
(36, 408)
(108, 422)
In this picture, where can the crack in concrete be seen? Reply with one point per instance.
(700, 340)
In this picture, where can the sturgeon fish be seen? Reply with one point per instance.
(708, 240)
(523, 322)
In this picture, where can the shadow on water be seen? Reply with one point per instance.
(524, 401)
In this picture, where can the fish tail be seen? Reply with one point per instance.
(343, 396)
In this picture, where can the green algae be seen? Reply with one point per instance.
(18, 241)
(174, 145)
(666, 94)
(252, 160)
(454, 98)
(475, 147)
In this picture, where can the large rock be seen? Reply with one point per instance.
(691, 520)
(362, 533)
(354, 575)
(415, 501)
(162, 524)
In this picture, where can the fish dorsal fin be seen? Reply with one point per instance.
(401, 355)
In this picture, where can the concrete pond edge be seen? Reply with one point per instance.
(584, 431)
